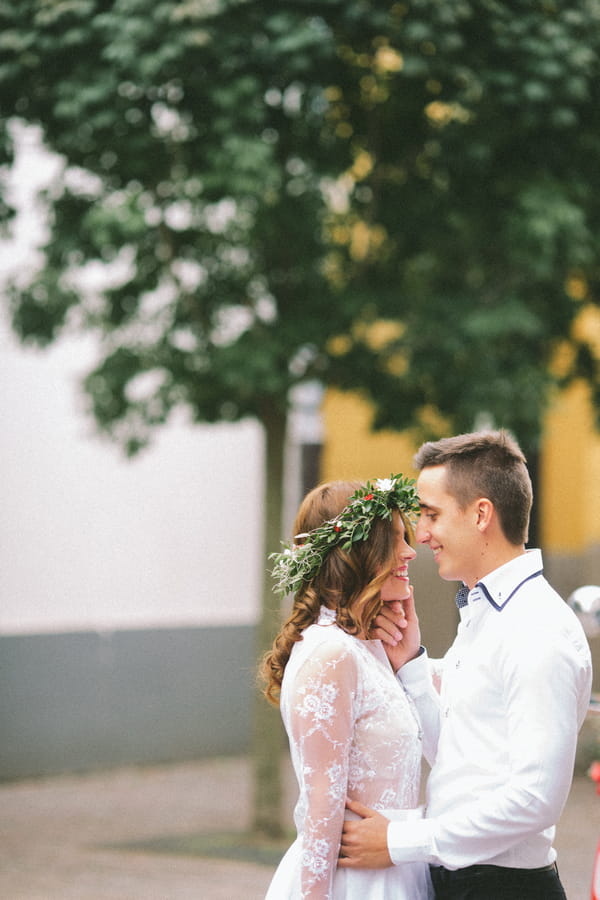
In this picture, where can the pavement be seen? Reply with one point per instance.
(111, 835)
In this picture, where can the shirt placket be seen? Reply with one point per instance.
(455, 663)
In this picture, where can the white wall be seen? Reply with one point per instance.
(89, 539)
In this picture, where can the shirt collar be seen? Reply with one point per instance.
(503, 583)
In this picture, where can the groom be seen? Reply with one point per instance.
(501, 734)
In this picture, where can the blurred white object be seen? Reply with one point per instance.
(585, 603)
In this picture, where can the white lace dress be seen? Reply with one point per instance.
(353, 732)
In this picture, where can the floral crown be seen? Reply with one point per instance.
(298, 563)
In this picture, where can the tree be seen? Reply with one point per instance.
(395, 198)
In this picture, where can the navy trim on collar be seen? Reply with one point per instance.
(501, 606)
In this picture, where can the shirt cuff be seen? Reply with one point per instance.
(410, 842)
(415, 675)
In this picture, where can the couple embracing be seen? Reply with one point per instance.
(497, 719)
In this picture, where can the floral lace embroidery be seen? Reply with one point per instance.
(352, 732)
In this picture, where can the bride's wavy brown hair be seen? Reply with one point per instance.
(348, 582)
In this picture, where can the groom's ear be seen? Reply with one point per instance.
(484, 511)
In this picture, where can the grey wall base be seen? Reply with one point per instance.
(83, 701)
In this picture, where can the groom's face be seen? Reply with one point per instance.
(449, 531)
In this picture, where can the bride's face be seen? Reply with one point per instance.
(397, 585)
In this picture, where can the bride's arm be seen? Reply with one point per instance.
(322, 724)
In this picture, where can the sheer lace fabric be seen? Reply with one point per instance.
(353, 732)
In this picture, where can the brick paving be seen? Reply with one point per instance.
(65, 838)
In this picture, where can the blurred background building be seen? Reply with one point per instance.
(130, 589)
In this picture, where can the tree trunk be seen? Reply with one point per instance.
(268, 731)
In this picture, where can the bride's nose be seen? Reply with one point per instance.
(407, 552)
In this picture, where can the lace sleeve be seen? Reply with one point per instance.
(322, 716)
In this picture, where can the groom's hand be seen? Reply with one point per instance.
(364, 840)
(397, 626)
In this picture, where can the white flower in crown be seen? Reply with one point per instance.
(384, 484)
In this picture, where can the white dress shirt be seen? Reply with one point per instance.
(501, 735)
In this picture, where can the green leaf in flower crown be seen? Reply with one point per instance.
(297, 565)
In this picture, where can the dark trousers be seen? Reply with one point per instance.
(497, 883)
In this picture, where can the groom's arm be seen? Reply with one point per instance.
(374, 842)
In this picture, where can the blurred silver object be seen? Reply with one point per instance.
(585, 603)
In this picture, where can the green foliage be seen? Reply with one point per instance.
(273, 179)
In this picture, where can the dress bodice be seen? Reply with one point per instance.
(353, 732)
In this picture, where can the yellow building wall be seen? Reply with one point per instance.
(569, 474)
(352, 450)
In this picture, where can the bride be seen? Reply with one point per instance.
(353, 732)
